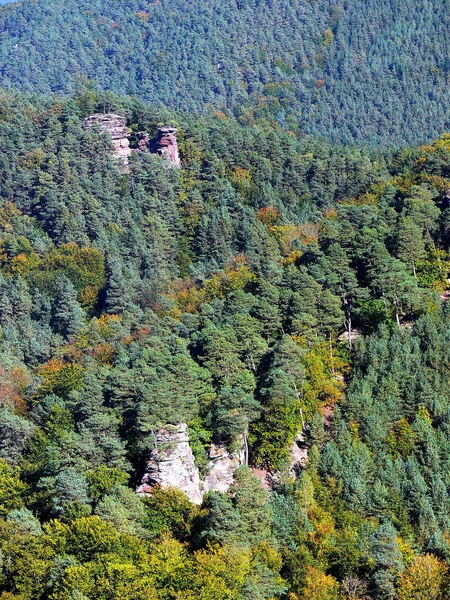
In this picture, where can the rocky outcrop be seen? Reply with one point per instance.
(171, 464)
(117, 128)
(298, 455)
(142, 141)
(165, 143)
(222, 466)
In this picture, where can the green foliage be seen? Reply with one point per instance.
(342, 71)
(277, 295)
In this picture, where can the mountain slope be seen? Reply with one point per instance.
(367, 71)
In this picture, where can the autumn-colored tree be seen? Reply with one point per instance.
(319, 586)
(424, 579)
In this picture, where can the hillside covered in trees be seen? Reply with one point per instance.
(367, 71)
(271, 285)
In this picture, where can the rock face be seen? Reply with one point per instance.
(298, 456)
(117, 128)
(143, 141)
(166, 144)
(171, 464)
(222, 468)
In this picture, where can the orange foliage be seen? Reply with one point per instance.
(137, 336)
(60, 377)
(288, 234)
(221, 115)
(104, 354)
(268, 215)
(24, 263)
(187, 295)
(143, 15)
(13, 384)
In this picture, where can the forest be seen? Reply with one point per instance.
(370, 72)
(274, 284)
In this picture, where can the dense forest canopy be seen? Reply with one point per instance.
(275, 284)
(373, 72)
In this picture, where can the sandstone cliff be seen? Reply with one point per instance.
(117, 128)
(222, 466)
(166, 144)
(171, 464)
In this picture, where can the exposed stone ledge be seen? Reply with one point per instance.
(171, 464)
(117, 128)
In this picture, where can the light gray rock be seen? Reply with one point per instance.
(222, 467)
(171, 464)
(298, 455)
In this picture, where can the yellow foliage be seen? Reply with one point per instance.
(407, 552)
(324, 376)
(88, 296)
(366, 199)
(292, 257)
(328, 37)
(319, 586)
(7, 212)
(168, 562)
(423, 579)
(32, 160)
(442, 142)
(241, 177)
(242, 180)
(442, 184)
(322, 538)
(286, 235)
(219, 573)
(60, 377)
(235, 277)
(188, 295)
(142, 15)
(24, 263)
